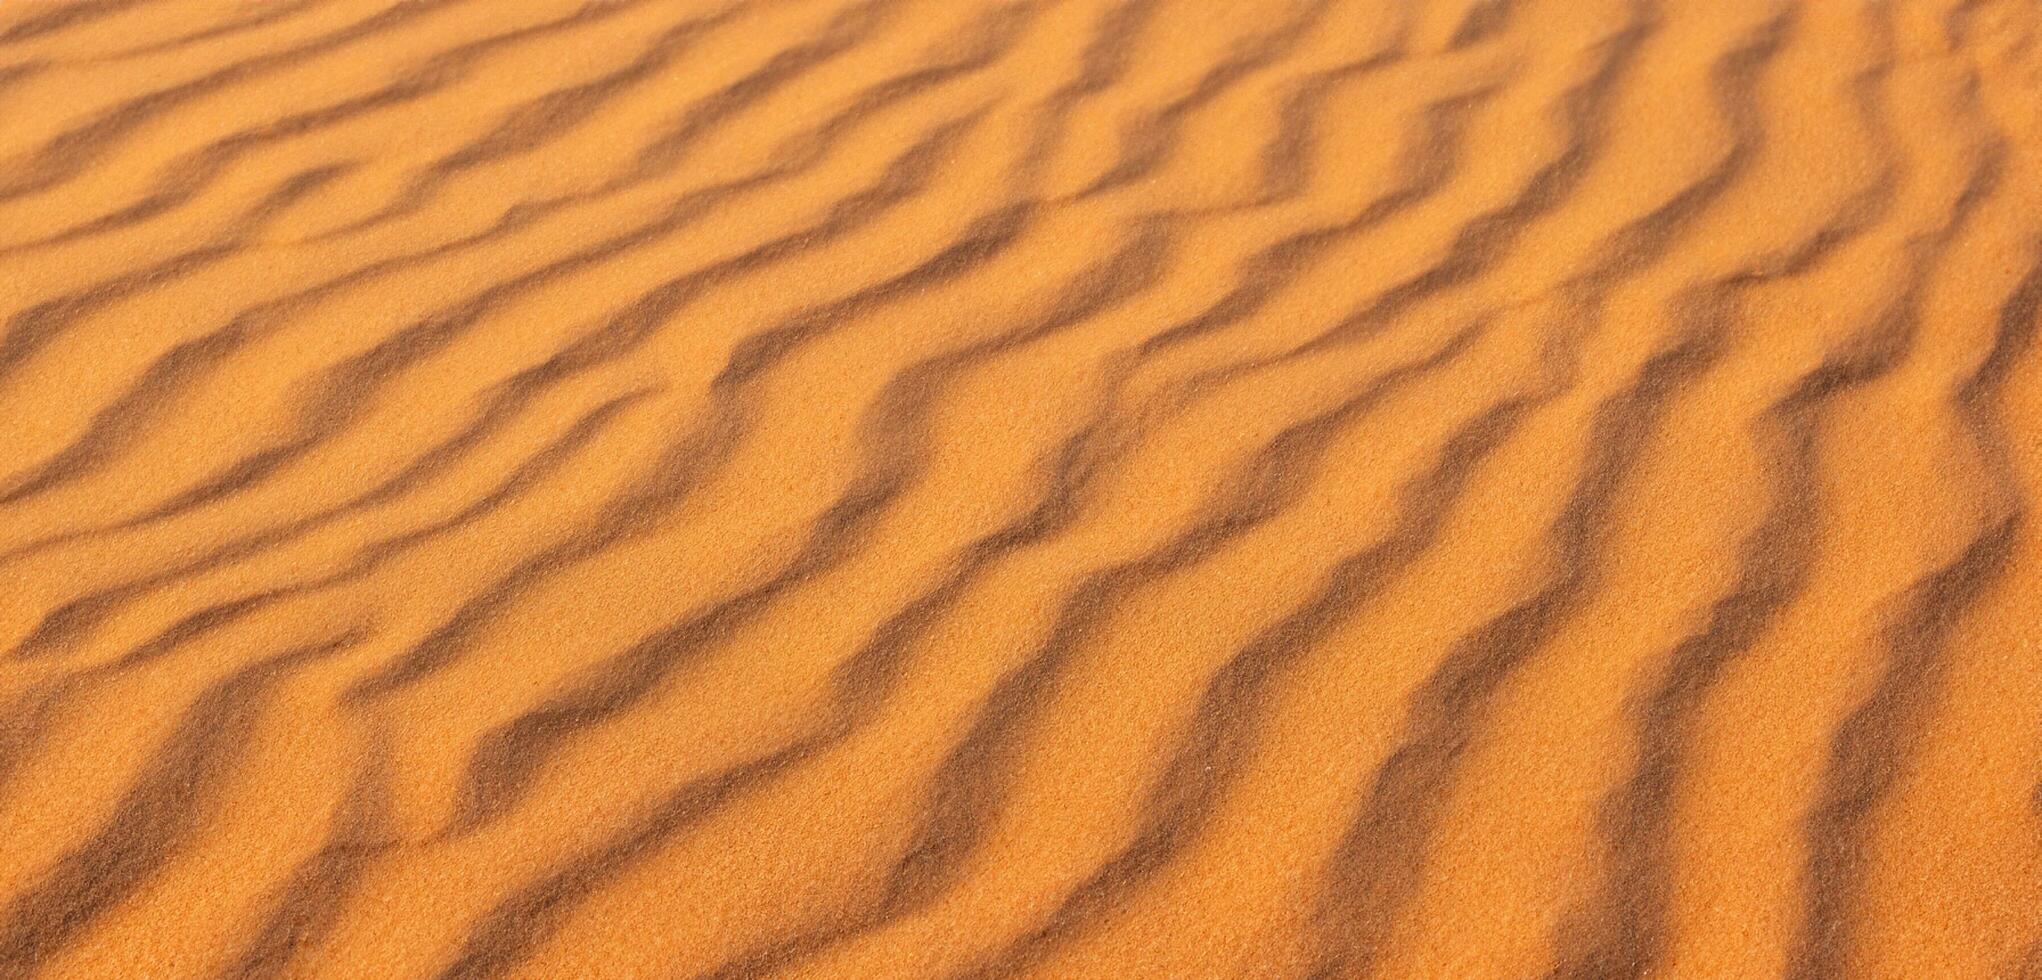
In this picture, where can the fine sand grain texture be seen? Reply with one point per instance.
(995, 488)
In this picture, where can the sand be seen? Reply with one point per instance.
(1061, 488)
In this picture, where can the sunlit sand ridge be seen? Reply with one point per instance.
(1063, 488)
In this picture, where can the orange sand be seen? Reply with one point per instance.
(1074, 488)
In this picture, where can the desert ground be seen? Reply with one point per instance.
(1056, 488)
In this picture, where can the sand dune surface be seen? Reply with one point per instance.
(1052, 488)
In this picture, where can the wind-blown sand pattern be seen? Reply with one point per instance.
(1063, 488)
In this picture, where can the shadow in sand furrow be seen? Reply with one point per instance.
(14, 74)
(983, 41)
(896, 439)
(1106, 59)
(158, 818)
(1870, 748)
(197, 562)
(31, 715)
(1624, 933)
(971, 782)
(1287, 157)
(1379, 863)
(342, 394)
(118, 425)
(535, 123)
(1380, 860)
(35, 328)
(315, 897)
(1835, 825)
(509, 756)
(1481, 242)
(539, 122)
(69, 154)
(191, 174)
(169, 378)
(1623, 930)
(1485, 19)
(1957, 23)
(1430, 159)
(66, 17)
(895, 430)
(1148, 143)
(509, 760)
(673, 144)
(1210, 757)
(267, 14)
(698, 799)
(862, 684)
(684, 464)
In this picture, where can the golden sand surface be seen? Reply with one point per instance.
(1053, 488)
